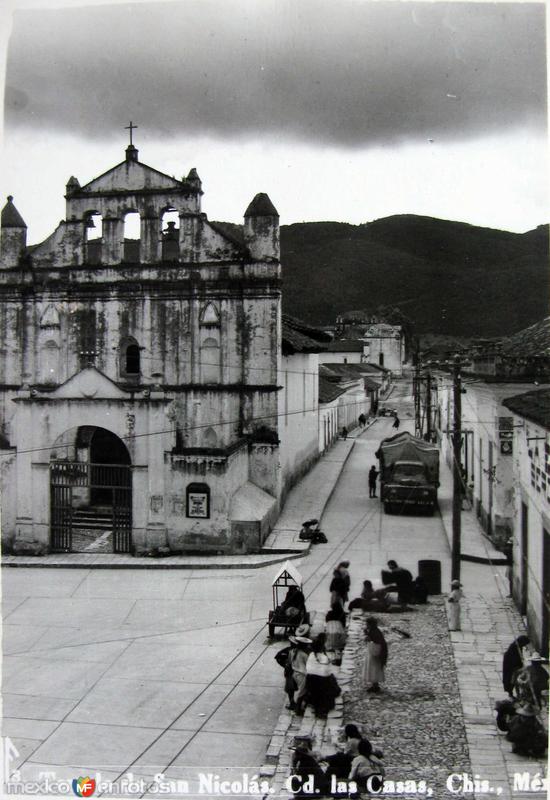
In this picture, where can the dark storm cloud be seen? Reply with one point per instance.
(340, 72)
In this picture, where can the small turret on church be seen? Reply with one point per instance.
(13, 236)
(261, 229)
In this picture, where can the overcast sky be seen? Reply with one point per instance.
(342, 110)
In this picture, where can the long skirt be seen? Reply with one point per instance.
(373, 669)
(300, 681)
(336, 635)
(319, 694)
(454, 616)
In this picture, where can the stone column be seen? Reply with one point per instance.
(113, 232)
(150, 246)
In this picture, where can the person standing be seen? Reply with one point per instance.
(321, 685)
(376, 656)
(344, 432)
(297, 661)
(512, 661)
(338, 588)
(396, 422)
(343, 569)
(373, 475)
(454, 599)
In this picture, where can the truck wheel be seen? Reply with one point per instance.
(388, 508)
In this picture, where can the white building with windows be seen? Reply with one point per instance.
(531, 532)
(139, 372)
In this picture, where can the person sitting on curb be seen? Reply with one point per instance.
(526, 733)
(531, 681)
(306, 769)
(512, 662)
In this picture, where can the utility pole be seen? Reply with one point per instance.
(457, 478)
(428, 407)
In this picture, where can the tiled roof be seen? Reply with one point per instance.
(234, 233)
(533, 341)
(337, 372)
(346, 346)
(370, 384)
(534, 406)
(299, 337)
(328, 390)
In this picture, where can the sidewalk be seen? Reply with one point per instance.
(475, 546)
(308, 499)
(490, 622)
(305, 501)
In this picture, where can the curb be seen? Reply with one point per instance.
(24, 564)
(324, 732)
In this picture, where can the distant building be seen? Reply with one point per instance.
(385, 346)
(353, 399)
(344, 351)
(139, 377)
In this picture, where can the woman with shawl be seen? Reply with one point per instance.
(376, 656)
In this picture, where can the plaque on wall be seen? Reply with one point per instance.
(198, 501)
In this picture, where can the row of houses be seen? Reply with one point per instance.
(506, 457)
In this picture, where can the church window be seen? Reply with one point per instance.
(130, 365)
(381, 359)
(132, 236)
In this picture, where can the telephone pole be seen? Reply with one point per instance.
(428, 407)
(457, 478)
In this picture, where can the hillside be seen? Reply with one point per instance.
(449, 277)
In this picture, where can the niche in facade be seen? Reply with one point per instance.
(170, 236)
(93, 237)
(210, 438)
(49, 363)
(210, 344)
(132, 237)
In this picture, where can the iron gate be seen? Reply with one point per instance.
(111, 482)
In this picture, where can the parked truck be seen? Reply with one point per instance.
(409, 473)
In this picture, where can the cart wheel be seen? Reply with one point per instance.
(271, 631)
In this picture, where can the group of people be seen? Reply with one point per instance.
(308, 673)
(527, 686)
(357, 761)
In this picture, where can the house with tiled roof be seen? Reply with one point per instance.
(353, 400)
(530, 538)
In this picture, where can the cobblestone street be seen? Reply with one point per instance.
(417, 720)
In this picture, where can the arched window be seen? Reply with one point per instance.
(210, 361)
(132, 237)
(130, 366)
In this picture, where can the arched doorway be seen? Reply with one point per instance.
(91, 492)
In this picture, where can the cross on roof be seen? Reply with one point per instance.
(131, 127)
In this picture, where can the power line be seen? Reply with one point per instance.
(187, 428)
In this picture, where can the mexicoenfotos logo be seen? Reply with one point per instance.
(83, 787)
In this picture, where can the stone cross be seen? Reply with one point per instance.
(131, 127)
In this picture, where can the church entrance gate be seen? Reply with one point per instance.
(110, 482)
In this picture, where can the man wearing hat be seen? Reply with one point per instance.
(297, 660)
(454, 599)
(532, 681)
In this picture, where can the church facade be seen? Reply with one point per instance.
(138, 383)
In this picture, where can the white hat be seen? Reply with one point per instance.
(536, 657)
